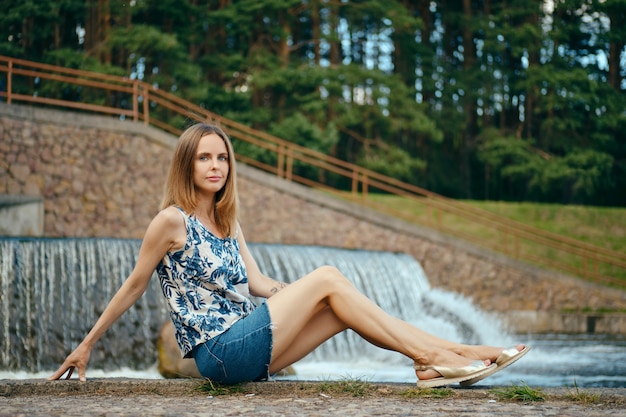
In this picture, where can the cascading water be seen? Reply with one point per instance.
(53, 290)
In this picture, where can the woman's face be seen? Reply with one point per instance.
(211, 165)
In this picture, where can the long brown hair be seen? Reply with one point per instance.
(180, 189)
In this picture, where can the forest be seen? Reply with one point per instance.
(510, 100)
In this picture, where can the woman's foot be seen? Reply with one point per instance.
(424, 368)
(449, 376)
(481, 352)
(505, 358)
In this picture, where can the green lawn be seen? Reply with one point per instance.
(599, 226)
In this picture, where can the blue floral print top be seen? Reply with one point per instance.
(205, 284)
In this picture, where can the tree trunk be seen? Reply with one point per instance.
(425, 61)
(335, 45)
(97, 27)
(405, 50)
(531, 91)
(105, 21)
(316, 31)
(470, 107)
(616, 46)
(283, 46)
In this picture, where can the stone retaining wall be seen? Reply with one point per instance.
(102, 177)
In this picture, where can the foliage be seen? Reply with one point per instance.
(212, 388)
(443, 392)
(348, 385)
(393, 162)
(489, 100)
(579, 176)
(582, 397)
(521, 393)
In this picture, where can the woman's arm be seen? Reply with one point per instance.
(163, 234)
(260, 285)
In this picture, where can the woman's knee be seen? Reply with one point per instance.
(330, 275)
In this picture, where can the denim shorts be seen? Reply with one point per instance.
(240, 354)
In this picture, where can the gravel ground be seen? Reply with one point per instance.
(133, 397)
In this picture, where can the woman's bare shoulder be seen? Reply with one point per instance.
(169, 217)
(167, 227)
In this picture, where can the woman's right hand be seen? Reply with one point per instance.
(78, 359)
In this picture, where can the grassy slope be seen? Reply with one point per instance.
(600, 226)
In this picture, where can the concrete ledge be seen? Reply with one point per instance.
(559, 322)
(21, 215)
(110, 386)
(181, 387)
(73, 118)
(123, 397)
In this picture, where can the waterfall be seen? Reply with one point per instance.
(53, 290)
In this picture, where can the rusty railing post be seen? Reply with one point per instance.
(146, 105)
(364, 187)
(280, 161)
(9, 81)
(135, 101)
(355, 182)
(289, 167)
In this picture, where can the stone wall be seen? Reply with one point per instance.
(101, 177)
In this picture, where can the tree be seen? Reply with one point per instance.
(494, 99)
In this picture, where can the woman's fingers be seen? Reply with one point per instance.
(59, 373)
(70, 371)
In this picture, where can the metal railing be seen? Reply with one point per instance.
(40, 84)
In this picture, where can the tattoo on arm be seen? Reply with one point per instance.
(279, 286)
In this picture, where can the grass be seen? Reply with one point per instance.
(582, 397)
(213, 389)
(351, 386)
(520, 393)
(525, 394)
(444, 392)
(603, 227)
(600, 226)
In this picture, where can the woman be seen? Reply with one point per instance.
(207, 275)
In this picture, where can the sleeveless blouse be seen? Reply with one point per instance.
(205, 284)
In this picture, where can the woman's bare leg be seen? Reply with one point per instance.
(297, 311)
(320, 328)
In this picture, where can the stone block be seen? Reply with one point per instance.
(21, 215)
